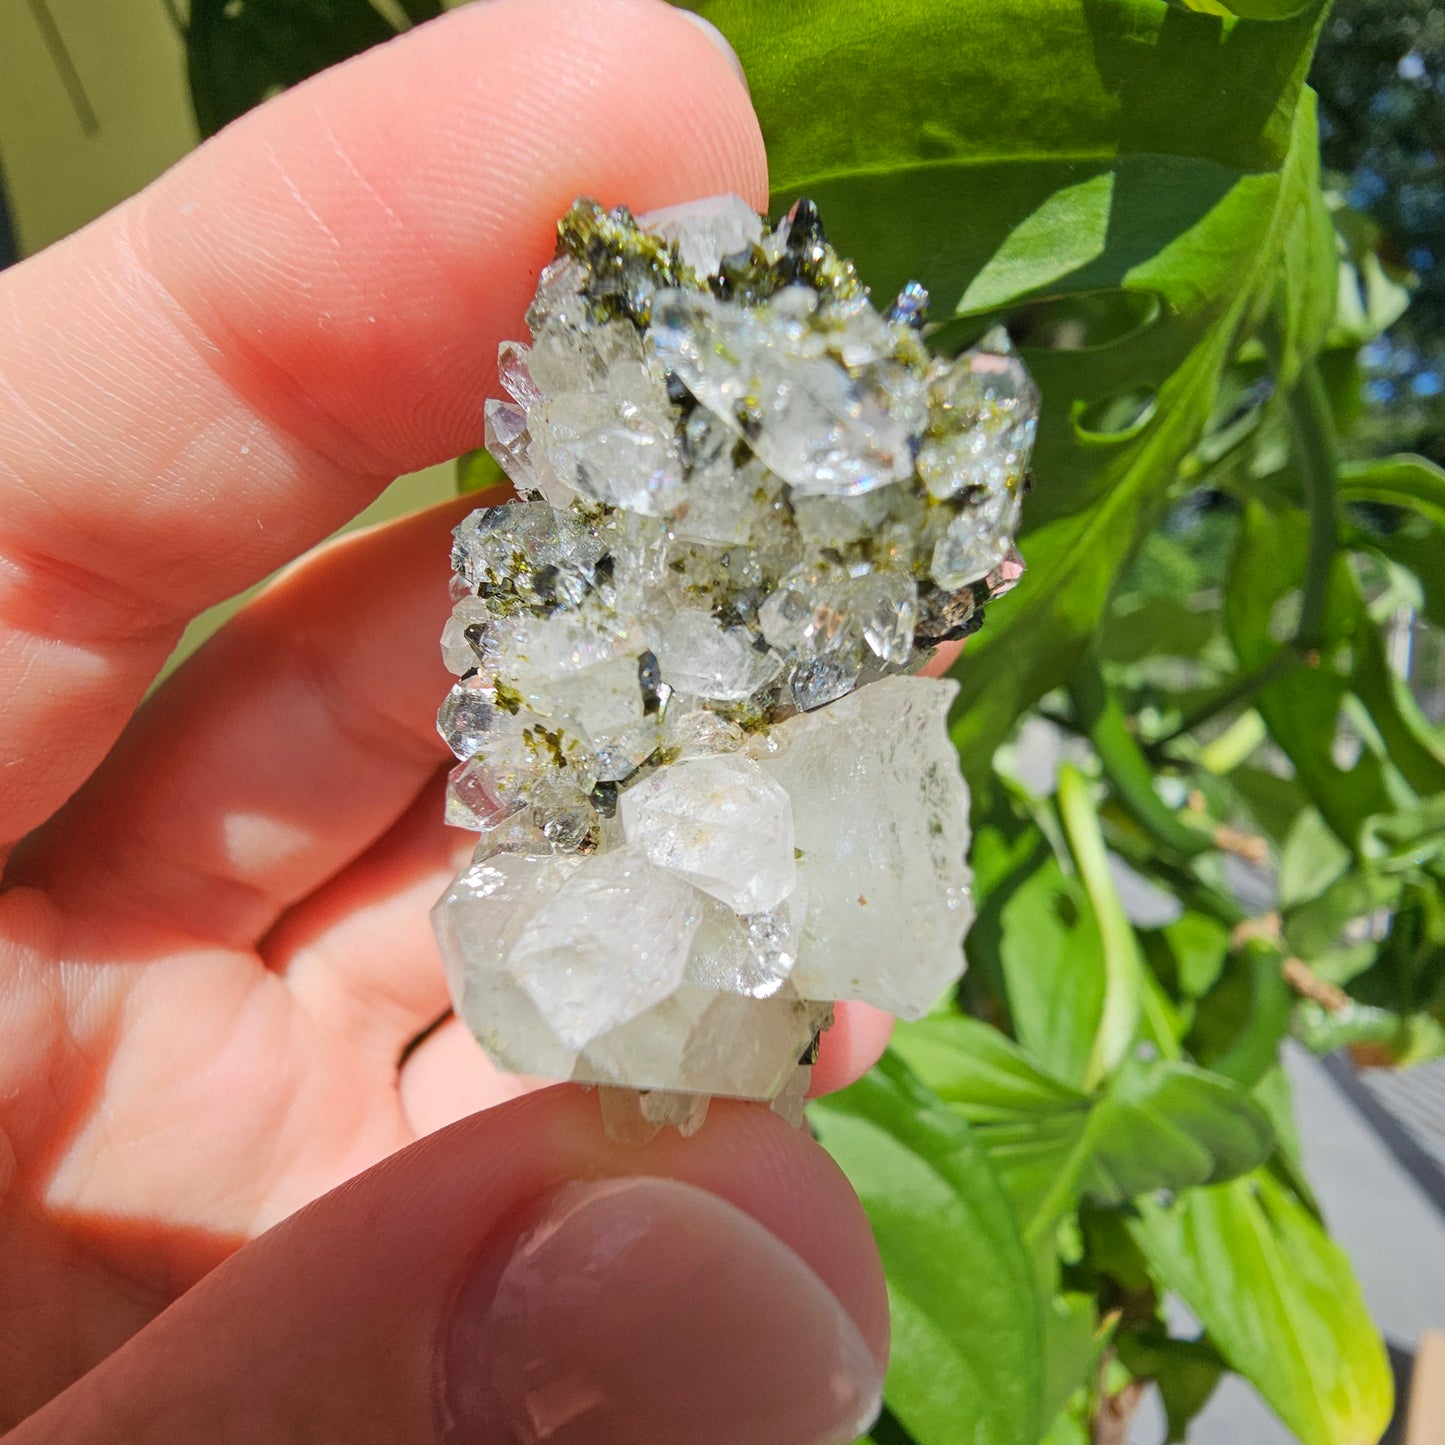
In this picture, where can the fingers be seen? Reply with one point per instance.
(221, 371)
(289, 743)
(448, 1076)
(279, 752)
(359, 955)
(850, 1048)
(716, 1289)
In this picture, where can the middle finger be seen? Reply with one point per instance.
(277, 754)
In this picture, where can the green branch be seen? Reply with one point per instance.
(1132, 1000)
(1240, 690)
(1313, 431)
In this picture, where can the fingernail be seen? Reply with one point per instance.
(646, 1312)
(722, 43)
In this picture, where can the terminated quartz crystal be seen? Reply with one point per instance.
(712, 795)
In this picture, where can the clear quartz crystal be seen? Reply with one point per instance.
(769, 375)
(711, 797)
(511, 444)
(636, 1116)
(987, 409)
(722, 823)
(880, 814)
(469, 716)
(789, 1102)
(705, 232)
(612, 942)
(462, 635)
(710, 661)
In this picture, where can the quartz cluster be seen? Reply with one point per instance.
(713, 797)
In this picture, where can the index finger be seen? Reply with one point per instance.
(224, 369)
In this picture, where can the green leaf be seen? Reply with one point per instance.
(1053, 968)
(479, 471)
(1136, 182)
(418, 11)
(1239, 1024)
(1159, 1125)
(1302, 707)
(1069, 1428)
(1408, 975)
(1072, 1346)
(1401, 753)
(1186, 1372)
(1273, 802)
(1253, 9)
(1413, 746)
(1311, 860)
(1275, 1096)
(1009, 843)
(1196, 946)
(1408, 838)
(980, 1071)
(967, 1360)
(1278, 1300)
(1312, 928)
(1370, 302)
(238, 52)
(1159, 625)
(1401, 481)
(1170, 1125)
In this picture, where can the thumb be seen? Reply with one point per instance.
(520, 1278)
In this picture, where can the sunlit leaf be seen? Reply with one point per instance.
(1056, 154)
(967, 1357)
(1158, 1125)
(1278, 1300)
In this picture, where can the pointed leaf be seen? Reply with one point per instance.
(1159, 1125)
(1053, 967)
(967, 1356)
(1134, 181)
(1401, 481)
(1277, 1298)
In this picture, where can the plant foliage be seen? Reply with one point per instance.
(1133, 188)
(1099, 1119)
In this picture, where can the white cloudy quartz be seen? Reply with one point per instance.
(712, 795)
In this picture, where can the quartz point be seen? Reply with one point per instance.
(720, 822)
(711, 794)
(880, 814)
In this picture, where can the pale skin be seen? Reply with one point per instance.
(214, 945)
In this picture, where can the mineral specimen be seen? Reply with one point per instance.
(713, 797)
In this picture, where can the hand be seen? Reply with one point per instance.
(214, 950)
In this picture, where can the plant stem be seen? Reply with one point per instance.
(1313, 430)
(1240, 690)
(178, 21)
(1123, 967)
(64, 64)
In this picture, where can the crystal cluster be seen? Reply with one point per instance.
(713, 796)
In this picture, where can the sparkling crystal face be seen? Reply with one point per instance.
(712, 796)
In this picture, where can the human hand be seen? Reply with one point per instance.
(214, 955)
